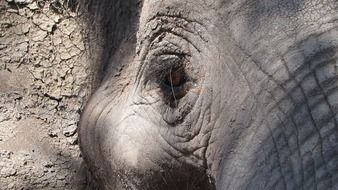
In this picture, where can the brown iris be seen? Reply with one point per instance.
(175, 84)
(176, 77)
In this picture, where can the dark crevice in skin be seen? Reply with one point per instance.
(319, 86)
(271, 78)
(311, 114)
(167, 19)
(289, 148)
(314, 91)
(177, 16)
(323, 92)
(308, 108)
(322, 89)
(277, 154)
(283, 124)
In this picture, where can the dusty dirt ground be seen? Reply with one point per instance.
(45, 79)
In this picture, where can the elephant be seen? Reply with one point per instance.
(214, 95)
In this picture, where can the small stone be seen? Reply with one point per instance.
(51, 105)
(13, 10)
(65, 55)
(39, 35)
(61, 175)
(4, 118)
(25, 28)
(11, 185)
(8, 172)
(3, 46)
(43, 22)
(41, 3)
(48, 164)
(33, 6)
(73, 140)
(70, 131)
(57, 19)
(20, 1)
(52, 133)
(18, 117)
(38, 73)
(21, 50)
(68, 26)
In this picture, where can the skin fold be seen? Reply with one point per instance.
(219, 95)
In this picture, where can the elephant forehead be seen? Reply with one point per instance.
(276, 21)
(193, 9)
(249, 21)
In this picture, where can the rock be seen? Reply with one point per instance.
(25, 28)
(33, 6)
(39, 35)
(64, 54)
(20, 51)
(61, 175)
(43, 22)
(48, 164)
(52, 133)
(70, 130)
(8, 172)
(73, 140)
(22, 2)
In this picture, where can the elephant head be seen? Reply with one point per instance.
(215, 94)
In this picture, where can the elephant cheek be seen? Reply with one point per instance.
(128, 152)
(130, 144)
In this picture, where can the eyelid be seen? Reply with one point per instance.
(160, 64)
(169, 58)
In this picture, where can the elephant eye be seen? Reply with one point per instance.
(171, 75)
(171, 78)
(175, 85)
(175, 78)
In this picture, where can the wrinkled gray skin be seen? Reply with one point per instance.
(255, 106)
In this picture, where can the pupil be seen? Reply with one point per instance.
(175, 78)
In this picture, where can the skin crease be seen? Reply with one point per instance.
(258, 109)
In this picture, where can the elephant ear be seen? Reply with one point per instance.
(112, 23)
